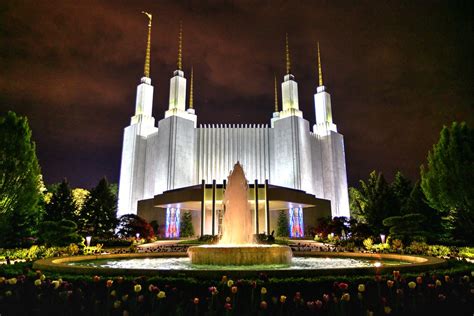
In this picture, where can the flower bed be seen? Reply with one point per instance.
(426, 294)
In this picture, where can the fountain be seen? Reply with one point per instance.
(236, 247)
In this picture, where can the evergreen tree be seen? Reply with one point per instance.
(374, 202)
(62, 204)
(187, 229)
(20, 181)
(99, 214)
(447, 179)
(59, 233)
(433, 220)
(406, 228)
(283, 225)
(401, 188)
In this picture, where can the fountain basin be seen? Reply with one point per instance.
(240, 255)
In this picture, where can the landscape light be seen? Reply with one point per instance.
(88, 241)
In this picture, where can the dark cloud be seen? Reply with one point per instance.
(397, 72)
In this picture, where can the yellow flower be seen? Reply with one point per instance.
(387, 309)
(412, 285)
(161, 295)
(125, 297)
(283, 299)
(263, 291)
(346, 297)
(230, 283)
(37, 282)
(42, 277)
(117, 304)
(12, 281)
(224, 279)
(361, 287)
(55, 283)
(113, 293)
(438, 283)
(137, 288)
(2, 280)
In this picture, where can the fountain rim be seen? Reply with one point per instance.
(60, 265)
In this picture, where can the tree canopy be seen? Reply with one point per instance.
(447, 179)
(61, 204)
(20, 181)
(99, 213)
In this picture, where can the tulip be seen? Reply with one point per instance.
(96, 278)
(318, 304)
(37, 282)
(361, 288)
(137, 288)
(390, 283)
(396, 274)
(2, 280)
(125, 297)
(283, 299)
(387, 309)
(8, 293)
(228, 299)
(234, 290)
(42, 277)
(12, 281)
(224, 279)
(326, 297)
(117, 304)
(419, 280)
(411, 285)
(438, 283)
(230, 283)
(263, 305)
(343, 286)
(263, 291)
(346, 297)
(161, 295)
(196, 301)
(109, 283)
(441, 297)
(228, 306)
(56, 284)
(113, 293)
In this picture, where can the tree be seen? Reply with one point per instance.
(187, 229)
(447, 179)
(401, 188)
(20, 181)
(406, 228)
(374, 202)
(130, 225)
(62, 204)
(59, 233)
(433, 220)
(99, 214)
(283, 226)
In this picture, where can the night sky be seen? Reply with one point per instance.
(397, 72)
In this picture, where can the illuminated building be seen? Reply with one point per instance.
(178, 165)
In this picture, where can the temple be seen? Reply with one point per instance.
(179, 166)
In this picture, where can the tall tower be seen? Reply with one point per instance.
(142, 124)
(332, 149)
(289, 89)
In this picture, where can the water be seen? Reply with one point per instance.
(237, 221)
(183, 263)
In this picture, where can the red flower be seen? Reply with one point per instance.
(396, 274)
(343, 286)
(96, 278)
(419, 280)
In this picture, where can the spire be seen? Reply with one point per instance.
(191, 89)
(276, 95)
(288, 64)
(146, 71)
(320, 72)
(180, 46)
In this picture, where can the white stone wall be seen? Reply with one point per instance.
(221, 146)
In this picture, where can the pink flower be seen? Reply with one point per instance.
(228, 306)
(326, 297)
(390, 283)
(196, 301)
(318, 304)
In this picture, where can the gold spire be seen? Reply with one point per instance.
(320, 72)
(180, 46)
(288, 64)
(276, 95)
(146, 71)
(191, 89)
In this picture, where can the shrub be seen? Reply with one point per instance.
(417, 247)
(466, 252)
(438, 251)
(187, 229)
(397, 245)
(368, 243)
